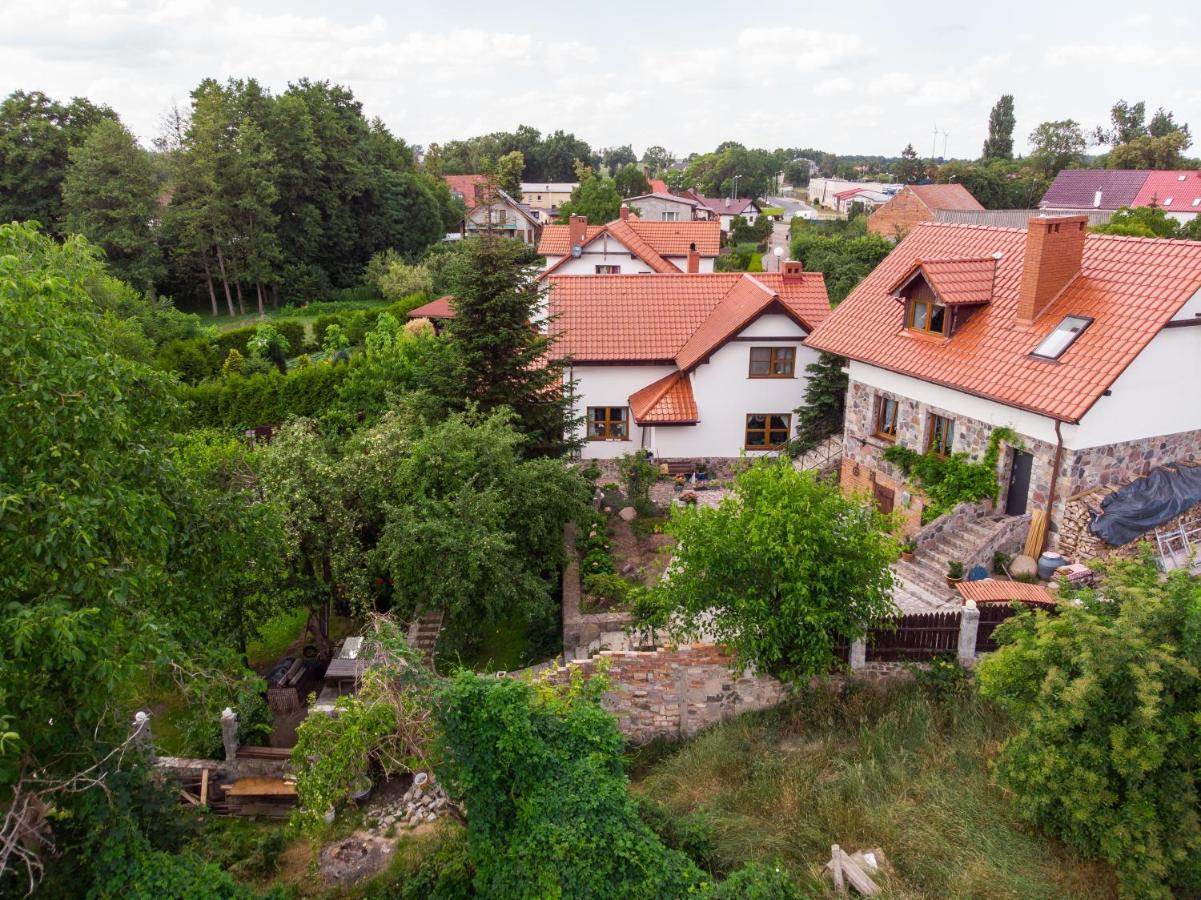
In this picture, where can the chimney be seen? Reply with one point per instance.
(694, 260)
(577, 228)
(1054, 252)
(625, 212)
(793, 271)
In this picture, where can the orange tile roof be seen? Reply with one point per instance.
(945, 196)
(1130, 287)
(629, 236)
(435, 309)
(956, 281)
(665, 238)
(668, 401)
(989, 590)
(653, 318)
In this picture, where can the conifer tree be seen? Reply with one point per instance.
(825, 403)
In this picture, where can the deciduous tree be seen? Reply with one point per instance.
(1057, 145)
(999, 143)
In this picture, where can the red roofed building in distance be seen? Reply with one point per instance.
(687, 366)
(916, 203)
(629, 246)
(1176, 192)
(1088, 346)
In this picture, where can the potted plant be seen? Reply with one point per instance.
(907, 550)
(954, 572)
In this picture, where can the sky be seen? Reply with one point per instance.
(864, 78)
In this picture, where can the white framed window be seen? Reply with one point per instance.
(671, 215)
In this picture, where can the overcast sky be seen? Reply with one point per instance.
(845, 77)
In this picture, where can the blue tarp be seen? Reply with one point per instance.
(1161, 496)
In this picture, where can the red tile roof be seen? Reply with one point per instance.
(435, 309)
(1130, 287)
(668, 401)
(655, 318)
(955, 281)
(989, 590)
(664, 238)
(465, 185)
(945, 196)
(1182, 188)
(658, 186)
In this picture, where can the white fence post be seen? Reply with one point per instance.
(229, 733)
(859, 653)
(969, 625)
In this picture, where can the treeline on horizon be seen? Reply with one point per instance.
(250, 199)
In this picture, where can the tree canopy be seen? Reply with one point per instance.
(1001, 121)
(781, 571)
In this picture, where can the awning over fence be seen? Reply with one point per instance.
(1161, 496)
(991, 591)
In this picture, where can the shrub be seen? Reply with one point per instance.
(268, 343)
(263, 398)
(607, 586)
(395, 279)
(193, 360)
(233, 365)
(293, 332)
(756, 881)
(1106, 700)
(304, 282)
(235, 339)
(639, 472)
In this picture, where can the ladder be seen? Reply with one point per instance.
(1177, 547)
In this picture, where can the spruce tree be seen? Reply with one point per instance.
(501, 358)
(825, 403)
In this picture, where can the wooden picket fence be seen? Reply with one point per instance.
(917, 637)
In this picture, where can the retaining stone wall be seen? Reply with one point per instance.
(675, 693)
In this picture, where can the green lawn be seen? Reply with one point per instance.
(275, 637)
(773, 210)
(879, 767)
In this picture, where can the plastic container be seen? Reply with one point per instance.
(1048, 563)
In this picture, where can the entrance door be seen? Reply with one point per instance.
(1019, 483)
(884, 497)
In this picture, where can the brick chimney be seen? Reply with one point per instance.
(577, 228)
(1054, 252)
(793, 271)
(625, 212)
(694, 259)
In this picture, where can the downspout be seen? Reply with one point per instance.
(1054, 483)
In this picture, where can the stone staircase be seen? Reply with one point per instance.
(922, 584)
(423, 634)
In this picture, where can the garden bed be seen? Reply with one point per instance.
(617, 556)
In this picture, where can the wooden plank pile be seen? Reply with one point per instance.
(855, 870)
(273, 797)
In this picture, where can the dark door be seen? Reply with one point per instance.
(1019, 483)
(884, 497)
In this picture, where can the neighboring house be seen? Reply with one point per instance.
(916, 203)
(724, 209)
(546, 198)
(629, 246)
(1177, 193)
(470, 189)
(868, 199)
(664, 207)
(822, 190)
(1009, 218)
(1088, 346)
(503, 215)
(687, 366)
(658, 186)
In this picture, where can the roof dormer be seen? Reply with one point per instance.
(940, 294)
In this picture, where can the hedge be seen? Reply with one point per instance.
(247, 402)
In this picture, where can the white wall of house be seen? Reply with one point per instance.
(724, 392)
(604, 251)
(612, 386)
(662, 209)
(1159, 393)
(705, 264)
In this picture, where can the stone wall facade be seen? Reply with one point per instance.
(674, 693)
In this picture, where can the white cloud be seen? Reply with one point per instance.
(1138, 54)
(832, 86)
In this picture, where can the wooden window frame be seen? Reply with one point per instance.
(882, 404)
(931, 305)
(945, 446)
(613, 269)
(766, 430)
(773, 353)
(610, 423)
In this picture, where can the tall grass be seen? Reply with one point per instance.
(895, 767)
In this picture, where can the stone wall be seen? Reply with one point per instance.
(674, 693)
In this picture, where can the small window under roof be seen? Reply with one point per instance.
(1065, 333)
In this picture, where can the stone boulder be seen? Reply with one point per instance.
(628, 513)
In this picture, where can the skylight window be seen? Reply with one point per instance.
(1168, 202)
(1197, 201)
(1057, 342)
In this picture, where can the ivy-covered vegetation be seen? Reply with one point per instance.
(950, 480)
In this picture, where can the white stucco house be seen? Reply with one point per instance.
(1088, 346)
(498, 213)
(687, 366)
(629, 246)
(660, 206)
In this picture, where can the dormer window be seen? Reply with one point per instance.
(927, 314)
(1055, 344)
